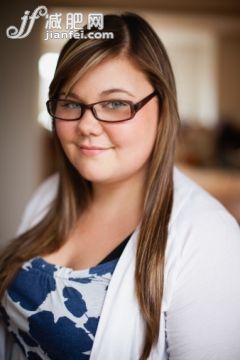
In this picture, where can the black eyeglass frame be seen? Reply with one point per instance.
(134, 107)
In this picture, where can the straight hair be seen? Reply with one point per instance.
(135, 39)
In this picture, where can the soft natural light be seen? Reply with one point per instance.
(47, 64)
(46, 67)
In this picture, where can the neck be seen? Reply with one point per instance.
(123, 198)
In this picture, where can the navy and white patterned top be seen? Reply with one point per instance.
(53, 311)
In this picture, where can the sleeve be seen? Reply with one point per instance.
(35, 210)
(39, 203)
(8, 349)
(203, 318)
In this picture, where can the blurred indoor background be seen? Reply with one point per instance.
(203, 42)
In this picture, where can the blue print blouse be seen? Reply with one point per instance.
(53, 311)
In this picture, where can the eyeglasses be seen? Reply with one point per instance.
(108, 110)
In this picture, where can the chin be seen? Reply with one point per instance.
(94, 177)
(96, 172)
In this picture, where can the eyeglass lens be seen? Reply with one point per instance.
(107, 110)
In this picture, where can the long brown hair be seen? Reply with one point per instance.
(134, 38)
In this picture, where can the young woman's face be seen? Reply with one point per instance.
(127, 145)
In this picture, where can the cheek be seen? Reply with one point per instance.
(143, 142)
(135, 139)
(65, 132)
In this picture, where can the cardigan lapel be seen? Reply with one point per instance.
(120, 329)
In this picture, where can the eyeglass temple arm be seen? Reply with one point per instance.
(141, 103)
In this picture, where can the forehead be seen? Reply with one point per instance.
(113, 73)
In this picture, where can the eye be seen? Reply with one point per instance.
(70, 105)
(115, 105)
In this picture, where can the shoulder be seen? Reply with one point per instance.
(39, 203)
(193, 205)
(200, 229)
(197, 215)
(189, 196)
(203, 235)
(202, 265)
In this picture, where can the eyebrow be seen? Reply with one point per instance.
(110, 91)
(104, 92)
(70, 94)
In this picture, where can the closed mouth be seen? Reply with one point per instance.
(93, 148)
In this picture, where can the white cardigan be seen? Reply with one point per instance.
(200, 317)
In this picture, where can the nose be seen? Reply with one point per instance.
(88, 124)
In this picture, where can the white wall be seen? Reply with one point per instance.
(194, 63)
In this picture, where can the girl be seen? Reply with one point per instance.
(119, 255)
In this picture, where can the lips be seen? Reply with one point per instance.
(92, 150)
(93, 147)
